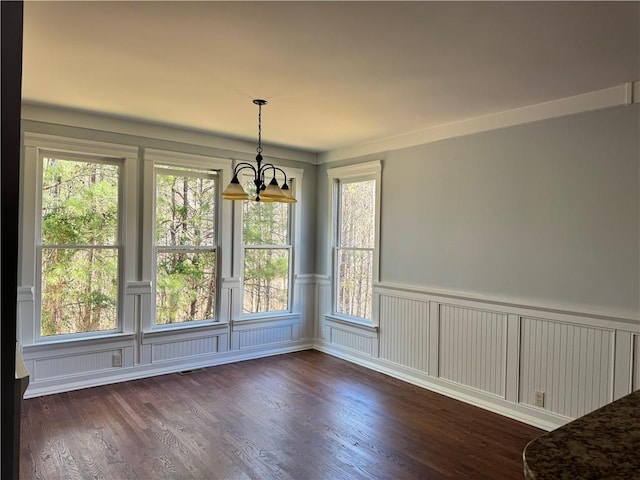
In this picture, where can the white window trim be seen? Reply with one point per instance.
(153, 158)
(352, 173)
(295, 222)
(35, 147)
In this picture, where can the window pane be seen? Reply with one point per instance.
(266, 280)
(355, 271)
(79, 203)
(357, 214)
(185, 210)
(265, 223)
(185, 286)
(79, 290)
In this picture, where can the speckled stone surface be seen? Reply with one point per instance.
(604, 444)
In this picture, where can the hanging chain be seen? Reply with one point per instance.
(259, 149)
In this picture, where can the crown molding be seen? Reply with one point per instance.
(625, 94)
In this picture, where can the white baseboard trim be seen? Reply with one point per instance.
(137, 372)
(522, 413)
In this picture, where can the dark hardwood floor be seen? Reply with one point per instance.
(299, 416)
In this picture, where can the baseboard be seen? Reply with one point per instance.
(522, 413)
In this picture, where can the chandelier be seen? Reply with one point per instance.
(271, 192)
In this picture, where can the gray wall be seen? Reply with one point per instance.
(546, 212)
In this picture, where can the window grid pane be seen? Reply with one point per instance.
(185, 286)
(79, 202)
(79, 290)
(185, 210)
(355, 273)
(357, 214)
(265, 223)
(266, 280)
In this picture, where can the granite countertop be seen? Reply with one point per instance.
(604, 444)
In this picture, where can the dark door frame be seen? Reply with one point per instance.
(11, 45)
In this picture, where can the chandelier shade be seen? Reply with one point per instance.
(234, 191)
(271, 192)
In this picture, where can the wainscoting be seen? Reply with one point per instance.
(60, 366)
(493, 354)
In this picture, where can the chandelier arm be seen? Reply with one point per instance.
(270, 165)
(241, 166)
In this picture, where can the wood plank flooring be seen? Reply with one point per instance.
(304, 415)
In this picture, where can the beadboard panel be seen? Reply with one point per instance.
(635, 381)
(304, 302)
(404, 331)
(362, 339)
(350, 340)
(322, 304)
(265, 336)
(473, 348)
(74, 364)
(183, 348)
(572, 364)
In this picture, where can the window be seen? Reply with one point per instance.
(355, 248)
(80, 245)
(266, 243)
(185, 245)
(355, 229)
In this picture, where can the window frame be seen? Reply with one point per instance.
(167, 160)
(344, 175)
(36, 147)
(294, 179)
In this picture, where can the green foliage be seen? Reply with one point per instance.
(185, 210)
(185, 286)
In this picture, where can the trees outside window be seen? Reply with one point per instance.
(185, 245)
(355, 248)
(80, 245)
(267, 255)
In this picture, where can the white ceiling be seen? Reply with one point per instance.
(335, 73)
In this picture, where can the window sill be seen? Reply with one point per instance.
(183, 330)
(287, 317)
(60, 343)
(353, 322)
